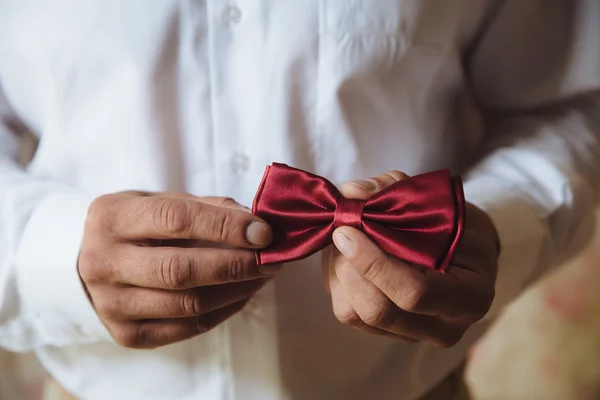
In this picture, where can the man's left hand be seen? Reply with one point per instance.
(377, 293)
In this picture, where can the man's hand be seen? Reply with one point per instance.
(377, 293)
(161, 268)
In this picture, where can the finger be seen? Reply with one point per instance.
(155, 217)
(413, 289)
(367, 306)
(155, 333)
(135, 303)
(348, 316)
(364, 189)
(184, 268)
(342, 307)
(376, 311)
(225, 202)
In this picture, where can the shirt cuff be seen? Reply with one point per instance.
(50, 289)
(521, 232)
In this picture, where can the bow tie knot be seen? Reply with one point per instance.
(348, 212)
(419, 220)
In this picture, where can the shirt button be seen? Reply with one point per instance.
(240, 163)
(233, 15)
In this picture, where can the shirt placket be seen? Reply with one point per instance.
(248, 340)
(201, 30)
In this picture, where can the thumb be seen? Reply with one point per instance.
(366, 188)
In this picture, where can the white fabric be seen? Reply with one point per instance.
(200, 96)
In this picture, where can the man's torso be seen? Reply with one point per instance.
(199, 96)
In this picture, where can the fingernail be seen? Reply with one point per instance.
(365, 185)
(269, 269)
(259, 234)
(343, 244)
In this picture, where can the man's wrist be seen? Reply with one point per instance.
(487, 225)
(519, 230)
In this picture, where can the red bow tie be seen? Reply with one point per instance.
(419, 220)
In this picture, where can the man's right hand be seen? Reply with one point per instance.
(161, 268)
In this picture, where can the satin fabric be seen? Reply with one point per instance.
(419, 219)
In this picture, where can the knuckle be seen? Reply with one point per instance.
(219, 226)
(347, 316)
(377, 315)
(374, 267)
(191, 305)
(175, 271)
(394, 176)
(97, 211)
(173, 217)
(388, 178)
(102, 213)
(227, 202)
(414, 298)
(108, 307)
(128, 336)
(86, 262)
(235, 269)
(93, 266)
(379, 182)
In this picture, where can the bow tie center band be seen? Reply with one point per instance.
(419, 220)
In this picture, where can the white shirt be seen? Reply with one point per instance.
(200, 96)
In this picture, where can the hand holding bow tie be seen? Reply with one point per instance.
(410, 261)
(377, 293)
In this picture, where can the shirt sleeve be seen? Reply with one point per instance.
(535, 73)
(42, 301)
